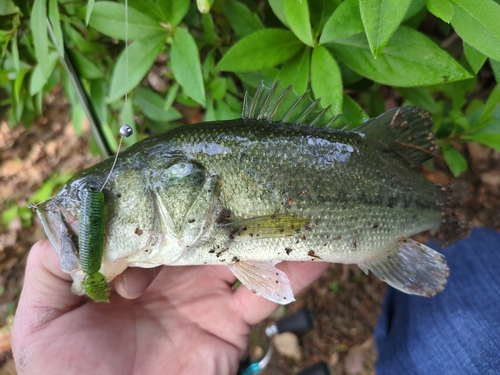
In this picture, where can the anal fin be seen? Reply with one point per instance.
(265, 280)
(412, 268)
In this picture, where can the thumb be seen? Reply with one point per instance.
(46, 292)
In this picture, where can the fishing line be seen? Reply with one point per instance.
(125, 130)
(126, 56)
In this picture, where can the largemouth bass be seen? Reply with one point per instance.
(276, 185)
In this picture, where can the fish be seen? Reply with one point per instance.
(278, 184)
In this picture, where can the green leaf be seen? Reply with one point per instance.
(489, 107)
(49, 187)
(173, 11)
(8, 215)
(56, 25)
(477, 23)
(90, 6)
(97, 93)
(171, 95)
(186, 65)
(297, 16)
(208, 67)
(495, 66)
(262, 49)
(380, 19)
(147, 7)
(142, 54)
(109, 19)
(18, 84)
(218, 88)
(409, 59)
(349, 76)
(152, 105)
(296, 71)
(441, 8)
(279, 12)
(475, 58)
(455, 161)
(85, 66)
(352, 113)
(210, 111)
(320, 11)
(421, 97)
(40, 37)
(326, 81)
(78, 116)
(242, 21)
(15, 53)
(209, 34)
(252, 80)
(416, 6)
(489, 135)
(109, 135)
(8, 7)
(38, 79)
(75, 40)
(344, 22)
(223, 112)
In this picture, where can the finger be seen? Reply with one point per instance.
(132, 283)
(46, 292)
(253, 308)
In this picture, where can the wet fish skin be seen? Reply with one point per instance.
(249, 193)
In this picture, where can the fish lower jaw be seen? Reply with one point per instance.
(76, 287)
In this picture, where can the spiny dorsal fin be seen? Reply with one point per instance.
(284, 105)
(407, 130)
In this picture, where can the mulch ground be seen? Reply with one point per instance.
(345, 302)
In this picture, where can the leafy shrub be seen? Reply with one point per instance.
(207, 53)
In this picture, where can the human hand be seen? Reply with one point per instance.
(167, 320)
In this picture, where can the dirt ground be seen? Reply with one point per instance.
(345, 302)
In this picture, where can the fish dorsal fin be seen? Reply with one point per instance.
(407, 130)
(284, 105)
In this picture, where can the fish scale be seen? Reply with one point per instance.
(249, 193)
(250, 188)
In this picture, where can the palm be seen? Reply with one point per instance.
(188, 321)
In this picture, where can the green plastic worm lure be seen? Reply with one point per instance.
(91, 244)
(91, 237)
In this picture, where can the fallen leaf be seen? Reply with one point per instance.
(334, 359)
(490, 178)
(287, 344)
(11, 168)
(439, 177)
(355, 360)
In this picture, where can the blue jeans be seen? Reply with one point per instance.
(458, 331)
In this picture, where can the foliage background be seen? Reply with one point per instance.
(207, 53)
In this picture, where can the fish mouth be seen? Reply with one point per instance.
(61, 228)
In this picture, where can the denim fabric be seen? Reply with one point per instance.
(455, 332)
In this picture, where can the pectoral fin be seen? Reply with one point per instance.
(265, 280)
(271, 226)
(412, 268)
